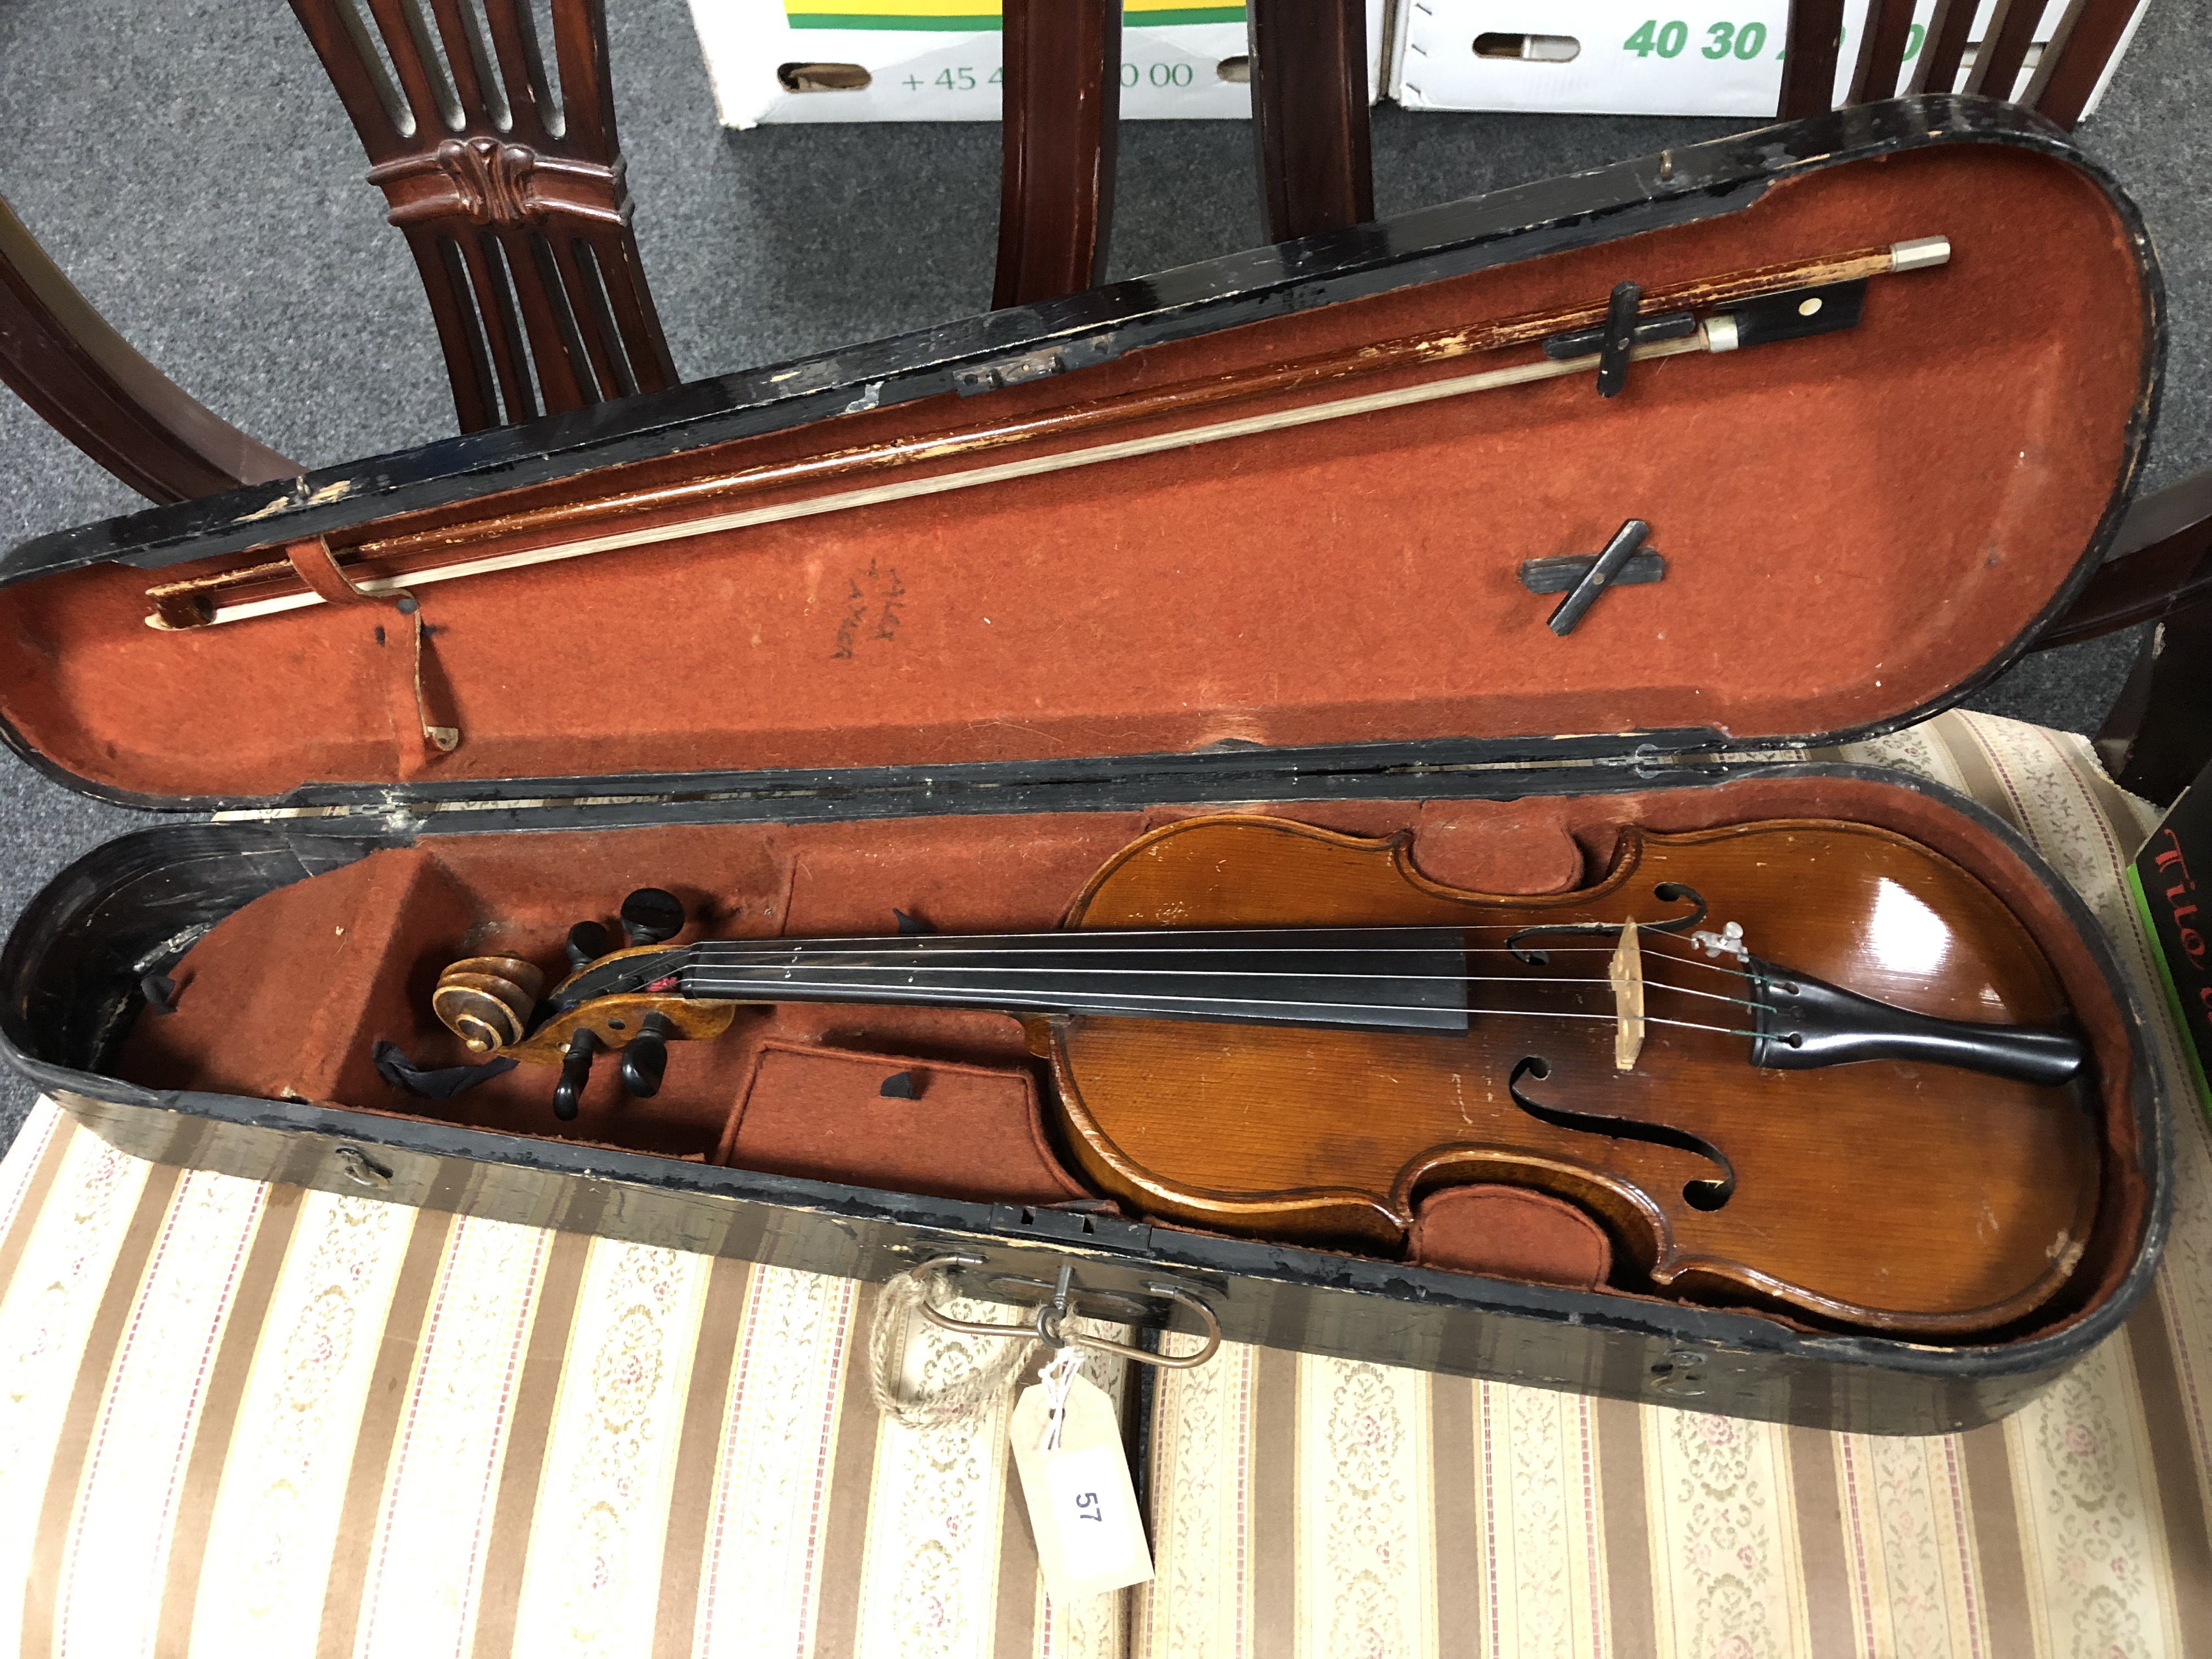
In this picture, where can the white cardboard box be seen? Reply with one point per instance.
(1625, 56)
(940, 60)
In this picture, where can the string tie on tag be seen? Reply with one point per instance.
(1058, 1378)
(969, 1395)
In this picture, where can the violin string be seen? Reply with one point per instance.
(727, 952)
(985, 1000)
(722, 977)
(1139, 937)
(719, 952)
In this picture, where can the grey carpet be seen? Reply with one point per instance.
(188, 165)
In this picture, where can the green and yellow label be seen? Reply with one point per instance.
(974, 16)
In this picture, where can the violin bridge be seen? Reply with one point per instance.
(1625, 970)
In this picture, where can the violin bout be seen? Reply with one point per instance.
(1904, 1197)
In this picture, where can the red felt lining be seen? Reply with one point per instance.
(286, 996)
(1509, 1232)
(1855, 524)
(821, 1114)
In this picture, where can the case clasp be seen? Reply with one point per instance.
(1063, 1303)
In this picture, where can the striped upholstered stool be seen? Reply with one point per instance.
(239, 1420)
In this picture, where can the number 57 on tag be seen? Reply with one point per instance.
(1083, 1509)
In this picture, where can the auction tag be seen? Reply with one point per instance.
(1083, 1509)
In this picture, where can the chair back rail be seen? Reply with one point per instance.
(2082, 46)
(61, 357)
(2003, 52)
(2158, 735)
(507, 182)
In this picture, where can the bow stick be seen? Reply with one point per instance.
(1665, 324)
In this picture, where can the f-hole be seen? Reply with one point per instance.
(1708, 1192)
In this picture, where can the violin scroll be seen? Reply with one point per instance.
(488, 1002)
(615, 999)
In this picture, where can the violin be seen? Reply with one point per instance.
(1873, 1111)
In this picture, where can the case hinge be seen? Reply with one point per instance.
(1034, 365)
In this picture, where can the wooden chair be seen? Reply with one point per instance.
(502, 168)
(1310, 112)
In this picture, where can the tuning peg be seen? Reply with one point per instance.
(645, 1060)
(575, 1072)
(587, 943)
(650, 916)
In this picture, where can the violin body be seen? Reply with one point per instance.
(1911, 1198)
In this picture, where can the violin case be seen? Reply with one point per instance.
(959, 707)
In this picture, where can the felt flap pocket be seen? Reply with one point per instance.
(916, 1126)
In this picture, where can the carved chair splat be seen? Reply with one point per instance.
(508, 185)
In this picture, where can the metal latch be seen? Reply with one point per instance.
(1053, 1315)
(360, 1168)
(1680, 1374)
(1081, 1222)
(1034, 365)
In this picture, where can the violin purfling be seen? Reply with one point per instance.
(1882, 1117)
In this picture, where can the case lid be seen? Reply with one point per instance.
(1856, 525)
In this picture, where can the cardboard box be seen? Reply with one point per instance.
(1625, 56)
(941, 60)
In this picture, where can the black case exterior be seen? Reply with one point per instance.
(70, 970)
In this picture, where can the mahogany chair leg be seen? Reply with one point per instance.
(80, 375)
(2159, 736)
(501, 164)
(1808, 68)
(2160, 561)
(1062, 106)
(1309, 114)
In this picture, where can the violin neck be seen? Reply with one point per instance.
(1393, 979)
